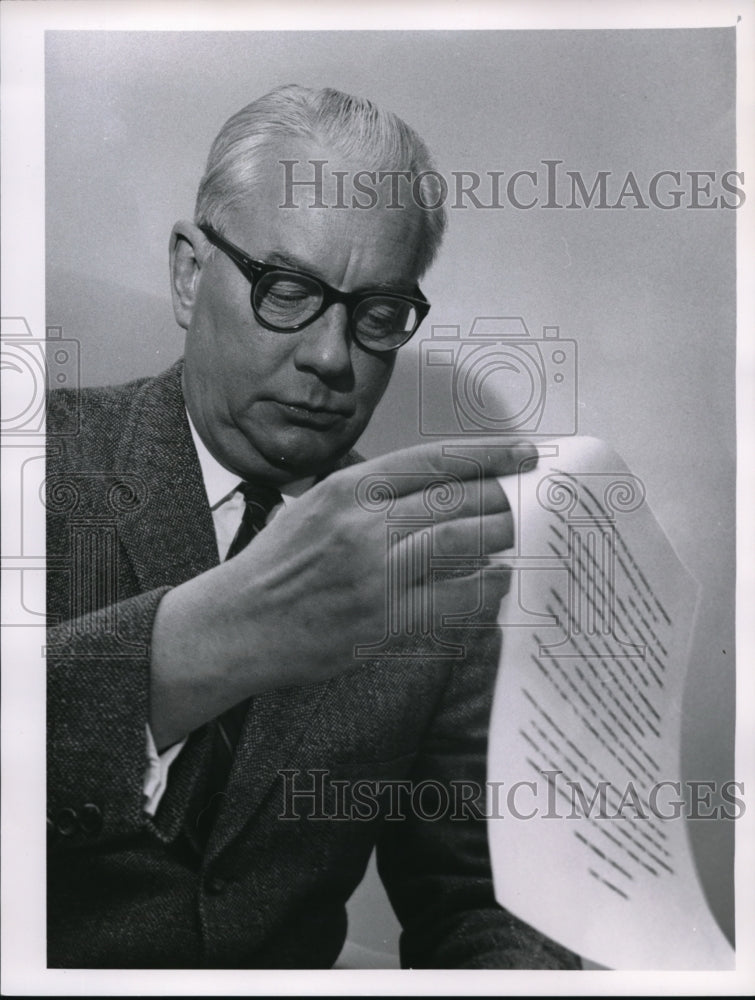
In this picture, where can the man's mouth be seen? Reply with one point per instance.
(308, 414)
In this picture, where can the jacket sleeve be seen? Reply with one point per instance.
(97, 710)
(437, 870)
(104, 446)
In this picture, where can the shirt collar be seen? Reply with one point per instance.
(220, 484)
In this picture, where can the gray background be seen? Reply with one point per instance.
(649, 296)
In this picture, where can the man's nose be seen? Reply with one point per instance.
(325, 345)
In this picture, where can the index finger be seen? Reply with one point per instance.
(467, 458)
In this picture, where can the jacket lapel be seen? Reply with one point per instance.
(170, 538)
(276, 725)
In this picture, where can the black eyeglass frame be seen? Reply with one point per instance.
(254, 270)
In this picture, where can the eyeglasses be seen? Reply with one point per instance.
(286, 300)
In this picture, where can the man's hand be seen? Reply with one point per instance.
(315, 585)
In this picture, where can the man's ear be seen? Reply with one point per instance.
(187, 251)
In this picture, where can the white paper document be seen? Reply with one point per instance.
(586, 841)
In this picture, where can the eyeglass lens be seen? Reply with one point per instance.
(287, 300)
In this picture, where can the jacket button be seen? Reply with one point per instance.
(216, 885)
(90, 818)
(67, 822)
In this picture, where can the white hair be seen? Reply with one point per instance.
(353, 126)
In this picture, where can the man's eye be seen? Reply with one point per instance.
(287, 292)
(382, 317)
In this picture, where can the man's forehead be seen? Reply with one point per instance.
(302, 170)
(319, 226)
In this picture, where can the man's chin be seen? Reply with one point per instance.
(305, 452)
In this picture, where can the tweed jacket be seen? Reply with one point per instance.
(127, 520)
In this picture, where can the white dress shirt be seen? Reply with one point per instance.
(227, 506)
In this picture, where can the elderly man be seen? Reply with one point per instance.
(211, 706)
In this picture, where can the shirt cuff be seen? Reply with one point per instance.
(156, 772)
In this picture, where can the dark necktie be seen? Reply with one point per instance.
(259, 502)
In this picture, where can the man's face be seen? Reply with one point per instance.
(281, 406)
